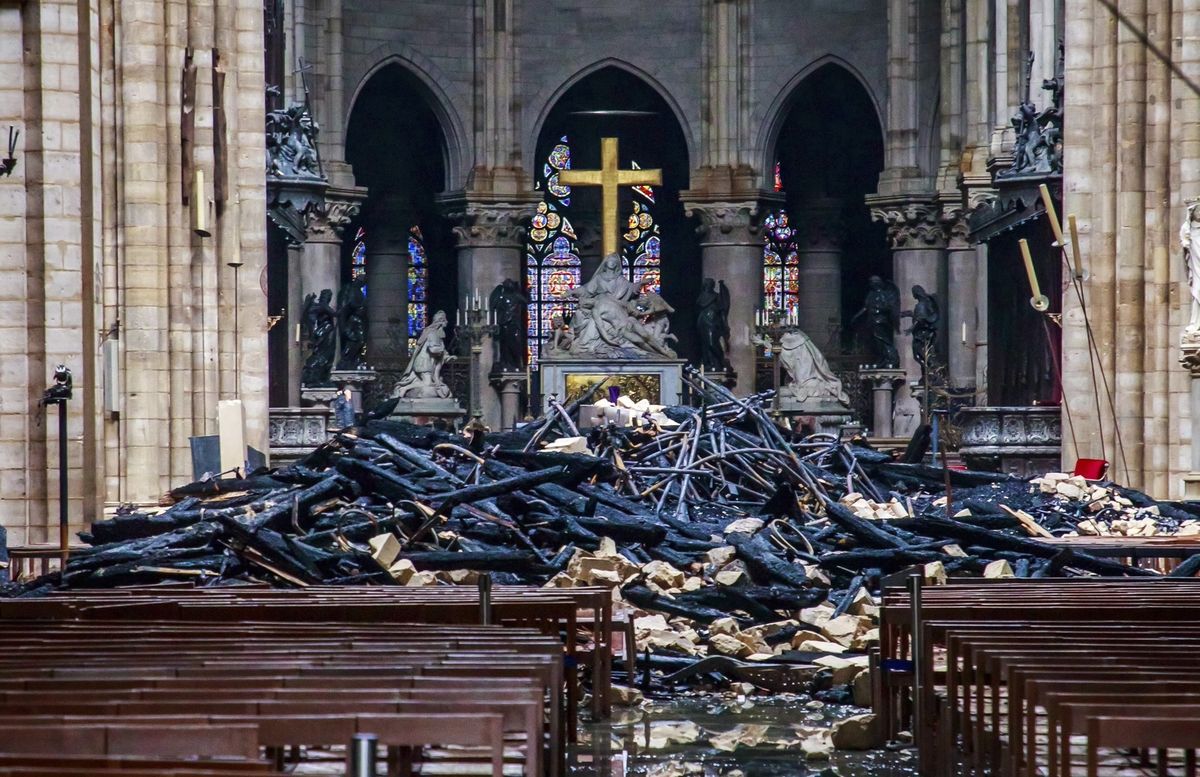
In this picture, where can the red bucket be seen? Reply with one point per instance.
(1091, 469)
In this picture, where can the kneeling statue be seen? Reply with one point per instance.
(422, 379)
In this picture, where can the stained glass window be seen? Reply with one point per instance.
(418, 274)
(358, 257)
(551, 259)
(778, 177)
(643, 243)
(781, 265)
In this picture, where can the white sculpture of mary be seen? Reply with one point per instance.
(1189, 237)
(812, 380)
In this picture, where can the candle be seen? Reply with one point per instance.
(964, 332)
(1052, 215)
(1075, 246)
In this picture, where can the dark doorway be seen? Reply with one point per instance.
(829, 154)
(397, 148)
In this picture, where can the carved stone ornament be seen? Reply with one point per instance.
(1189, 359)
(489, 224)
(325, 222)
(911, 224)
(727, 222)
(956, 226)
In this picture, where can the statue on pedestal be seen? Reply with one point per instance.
(422, 378)
(1189, 238)
(319, 325)
(926, 315)
(352, 325)
(882, 309)
(292, 143)
(810, 377)
(510, 341)
(712, 325)
(614, 320)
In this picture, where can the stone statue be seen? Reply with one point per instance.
(319, 325)
(925, 315)
(292, 143)
(422, 378)
(352, 325)
(511, 335)
(906, 414)
(1189, 237)
(561, 336)
(1037, 148)
(712, 325)
(882, 311)
(810, 379)
(614, 320)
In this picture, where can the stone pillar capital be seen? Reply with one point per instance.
(325, 221)
(731, 223)
(820, 225)
(912, 221)
(485, 222)
(958, 231)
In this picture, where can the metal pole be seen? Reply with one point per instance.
(485, 599)
(362, 756)
(63, 507)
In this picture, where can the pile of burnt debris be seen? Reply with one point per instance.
(721, 531)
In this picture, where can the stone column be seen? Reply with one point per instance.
(1190, 360)
(320, 258)
(819, 239)
(509, 387)
(490, 239)
(387, 288)
(731, 250)
(321, 267)
(962, 320)
(918, 244)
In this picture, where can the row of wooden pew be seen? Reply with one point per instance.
(125, 679)
(1044, 677)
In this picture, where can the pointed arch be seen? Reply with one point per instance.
(457, 151)
(780, 108)
(548, 99)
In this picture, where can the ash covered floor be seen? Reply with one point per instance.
(728, 734)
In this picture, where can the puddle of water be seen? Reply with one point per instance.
(708, 734)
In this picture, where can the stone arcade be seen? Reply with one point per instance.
(427, 151)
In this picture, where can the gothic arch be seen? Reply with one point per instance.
(777, 113)
(457, 152)
(550, 99)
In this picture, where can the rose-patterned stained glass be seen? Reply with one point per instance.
(418, 276)
(552, 263)
(642, 258)
(781, 265)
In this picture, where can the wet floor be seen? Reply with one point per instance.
(726, 734)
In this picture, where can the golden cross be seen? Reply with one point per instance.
(610, 179)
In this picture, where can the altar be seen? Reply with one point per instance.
(659, 381)
(618, 332)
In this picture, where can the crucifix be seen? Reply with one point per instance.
(610, 178)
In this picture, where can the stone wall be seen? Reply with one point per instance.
(96, 244)
(1132, 160)
(556, 43)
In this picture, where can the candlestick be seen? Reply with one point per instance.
(1040, 302)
